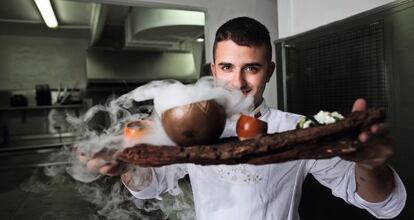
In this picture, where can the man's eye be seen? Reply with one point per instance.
(225, 68)
(251, 69)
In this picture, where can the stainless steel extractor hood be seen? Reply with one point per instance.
(139, 44)
(106, 66)
(162, 28)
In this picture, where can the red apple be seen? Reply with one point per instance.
(250, 127)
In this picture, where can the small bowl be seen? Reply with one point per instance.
(194, 124)
(136, 129)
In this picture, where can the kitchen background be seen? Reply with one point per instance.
(97, 50)
(107, 47)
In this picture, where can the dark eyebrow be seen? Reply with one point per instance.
(253, 64)
(225, 64)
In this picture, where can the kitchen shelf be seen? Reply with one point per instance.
(35, 107)
(35, 147)
(37, 141)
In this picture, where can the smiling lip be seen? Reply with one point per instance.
(246, 92)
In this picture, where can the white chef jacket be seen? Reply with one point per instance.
(270, 191)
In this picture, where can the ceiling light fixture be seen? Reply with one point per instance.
(47, 13)
(200, 39)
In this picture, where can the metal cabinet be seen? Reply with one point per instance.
(369, 55)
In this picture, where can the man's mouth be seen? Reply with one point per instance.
(246, 91)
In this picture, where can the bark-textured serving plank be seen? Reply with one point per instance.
(311, 143)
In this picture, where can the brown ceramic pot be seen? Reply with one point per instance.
(194, 124)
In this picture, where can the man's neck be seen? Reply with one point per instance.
(257, 109)
(258, 103)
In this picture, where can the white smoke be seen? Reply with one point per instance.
(165, 94)
(169, 93)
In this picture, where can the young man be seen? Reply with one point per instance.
(242, 59)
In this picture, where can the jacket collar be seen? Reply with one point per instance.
(261, 110)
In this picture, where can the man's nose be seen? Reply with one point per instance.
(239, 80)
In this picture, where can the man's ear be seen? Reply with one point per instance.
(271, 70)
(213, 69)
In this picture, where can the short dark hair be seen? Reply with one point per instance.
(244, 31)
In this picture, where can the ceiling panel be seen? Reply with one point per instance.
(72, 13)
(117, 14)
(19, 10)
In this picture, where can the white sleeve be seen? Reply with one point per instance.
(164, 179)
(339, 176)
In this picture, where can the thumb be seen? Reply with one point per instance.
(359, 105)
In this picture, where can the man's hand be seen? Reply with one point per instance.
(374, 154)
(103, 163)
(374, 179)
(135, 178)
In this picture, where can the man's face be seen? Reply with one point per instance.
(243, 68)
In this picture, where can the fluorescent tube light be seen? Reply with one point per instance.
(47, 13)
(200, 39)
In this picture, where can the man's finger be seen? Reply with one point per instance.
(95, 165)
(359, 105)
(364, 136)
(371, 164)
(113, 169)
(106, 170)
(380, 128)
(83, 158)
